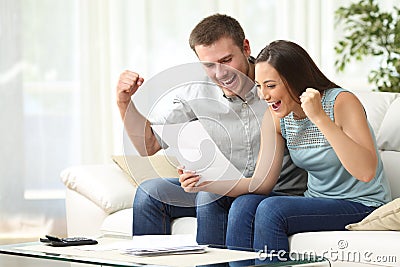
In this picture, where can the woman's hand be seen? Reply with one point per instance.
(311, 104)
(188, 180)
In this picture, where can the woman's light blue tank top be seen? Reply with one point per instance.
(327, 177)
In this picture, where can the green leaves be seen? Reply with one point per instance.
(371, 32)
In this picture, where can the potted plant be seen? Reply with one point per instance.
(369, 31)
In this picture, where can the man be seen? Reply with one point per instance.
(230, 116)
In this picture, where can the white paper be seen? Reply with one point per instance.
(195, 150)
(145, 242)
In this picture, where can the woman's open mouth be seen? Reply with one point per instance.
(275, 105)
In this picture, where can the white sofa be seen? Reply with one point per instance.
(99, 198)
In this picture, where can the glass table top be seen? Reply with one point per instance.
(38, 254)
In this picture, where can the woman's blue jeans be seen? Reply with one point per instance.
(159, 201)
(260, 223)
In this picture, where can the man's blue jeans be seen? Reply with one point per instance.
(260, 223)
(159, 201)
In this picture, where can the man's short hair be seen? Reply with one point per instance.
(213, 28)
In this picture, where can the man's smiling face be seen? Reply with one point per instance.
(226, 64)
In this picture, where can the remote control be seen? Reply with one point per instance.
(68, 241)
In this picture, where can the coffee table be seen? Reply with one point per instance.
(36, 254)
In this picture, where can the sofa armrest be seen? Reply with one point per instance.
(84, 218)
(105, 185)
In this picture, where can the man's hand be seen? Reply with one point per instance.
(137, 126)
(128, 84)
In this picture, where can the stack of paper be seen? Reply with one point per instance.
(166, 251)
(153, 245)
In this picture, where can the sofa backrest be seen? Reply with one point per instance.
(383, 111)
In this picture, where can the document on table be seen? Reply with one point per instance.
(152, 245)
(196, 151)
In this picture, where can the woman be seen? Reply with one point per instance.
(328, 135)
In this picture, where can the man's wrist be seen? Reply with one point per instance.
(123, 104)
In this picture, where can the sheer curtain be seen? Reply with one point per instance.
(39, 113)
(59, 64)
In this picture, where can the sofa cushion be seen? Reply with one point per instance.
(386, 217)
(391, 161)
(143, 168)
(376, 105)
(184, 225)
(388, 137)
(103, 184)
(119, 223)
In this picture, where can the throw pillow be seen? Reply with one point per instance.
(386, 217)
(144, 168)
